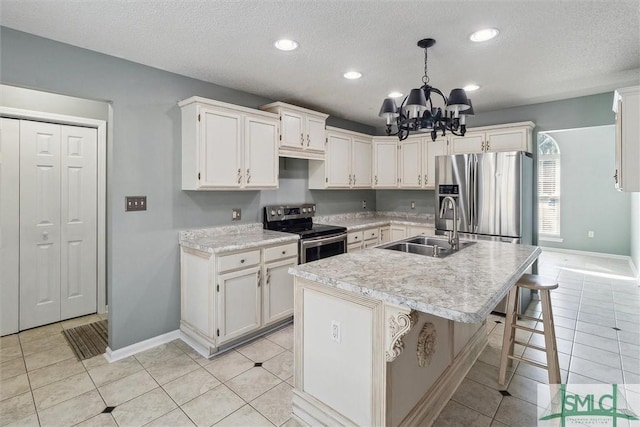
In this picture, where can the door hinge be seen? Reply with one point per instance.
(217, 288)
(280, 137)
(198, 176)
(198, 117)
(326, 180)
(217, 332)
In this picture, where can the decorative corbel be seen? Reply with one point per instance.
(400, 320)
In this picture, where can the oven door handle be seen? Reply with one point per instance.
(319, 241)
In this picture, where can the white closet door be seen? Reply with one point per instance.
(39, 224)
(78, 285)
(9, 225)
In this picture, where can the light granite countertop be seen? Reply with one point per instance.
(233, 238)
(360, 221)
(463, 287)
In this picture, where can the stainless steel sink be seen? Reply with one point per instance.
(433, 241)
(427, 246)
(411, 248)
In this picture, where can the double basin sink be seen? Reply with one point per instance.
(427, 246)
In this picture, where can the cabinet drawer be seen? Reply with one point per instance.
(354, 247)
(354, 237)
(421, 231)
(240, 260)
(281, 252)
(371, 233)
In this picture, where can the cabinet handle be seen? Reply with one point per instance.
(248, 176)
(425, 179)
(354, 179)
(302, 139)
(242, 261)
(376, 179)
(268, 279)
(487, 145)
(239, 176)
(615, 177)
(482, 146)
(259, 277)
(419, 180)
(355, 238)
(284, 252)
(350, 179)
(308, 140)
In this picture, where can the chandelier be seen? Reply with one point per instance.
(418, 114)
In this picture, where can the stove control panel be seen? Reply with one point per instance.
(282, 213)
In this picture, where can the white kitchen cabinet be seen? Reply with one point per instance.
(238, 303)
(420, 231)
(302, 131)
(385, 234)
(347, 162)
(397, 232)
(227, 147)
(509, 137)
(227, 297)
(417, 161)
(626, 105)
(385, 162)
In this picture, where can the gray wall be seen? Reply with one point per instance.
(588, 199)
(635, 230)
(400, 201)
(144, 159)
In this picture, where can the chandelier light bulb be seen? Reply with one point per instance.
(484, 35)
(286, 44)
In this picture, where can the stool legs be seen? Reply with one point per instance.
(550, 338)
(509, 336)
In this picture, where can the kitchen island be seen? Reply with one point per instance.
(385, 338)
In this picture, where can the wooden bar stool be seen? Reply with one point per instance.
(543, 287)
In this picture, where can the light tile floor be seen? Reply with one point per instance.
(42, 383)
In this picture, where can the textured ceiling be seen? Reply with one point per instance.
(546, 50)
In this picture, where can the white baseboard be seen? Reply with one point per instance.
(130, 350)
(576, 252)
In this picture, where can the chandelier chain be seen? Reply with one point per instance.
(425, 78)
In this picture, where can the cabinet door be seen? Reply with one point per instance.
(315, 134)
(220, 151)
(292, 130)
(238, 303)
(361, 163)
(338, 161)
(470, 143)
(507, 140)
(420, 231)
(385, 234)
(354, 247)
(278, 291)
(261, 153)
(385, 164)
(431, 149)
(410, 170)
(398, 232)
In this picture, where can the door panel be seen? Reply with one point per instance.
(338, 161)
(9, 225)
(278, 291)
(430, 151)
(470, 143)
(362, 163)
(219, 151)
(315, 134)
(410, 164)
(292, 130)
(261, 153)
(40, 253)
(239, 301)
(78, 285)
(385, 173)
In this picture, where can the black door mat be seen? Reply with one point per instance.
(89, 340)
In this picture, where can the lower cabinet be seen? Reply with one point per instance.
(226, 298)
(385, 234)
(397, 232)
(363, 239)
(277, 292)
(420, 231)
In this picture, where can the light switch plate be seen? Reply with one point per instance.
(236, 214)
(135, 203)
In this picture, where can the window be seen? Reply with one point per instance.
(548, 187)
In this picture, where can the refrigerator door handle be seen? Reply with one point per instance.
(469, 177)
(475, 191)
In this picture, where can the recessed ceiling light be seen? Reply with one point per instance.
(395, 94)
(286, 44)
(352, 75)
(471, 87)
(484, 35)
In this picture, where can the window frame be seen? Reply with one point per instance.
(554, 233)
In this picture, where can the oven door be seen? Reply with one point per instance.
(322, 247)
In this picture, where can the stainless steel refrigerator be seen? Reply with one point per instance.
(494, 195)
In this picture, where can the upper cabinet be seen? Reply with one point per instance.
(385, 162)
(417, 161)
(227, 147)
(626, 105)
(346, 164)
(302, 131)
(509, 137)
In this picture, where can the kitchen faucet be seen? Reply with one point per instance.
(453, 235)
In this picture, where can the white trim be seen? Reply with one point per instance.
(130, 350)
(598, 254)
(550, 239)
(101, 127)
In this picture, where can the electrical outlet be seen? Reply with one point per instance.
(364, 204)
(334, 334)
(413, 204)
(135, 203)
(236, 214)
(591, 234)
